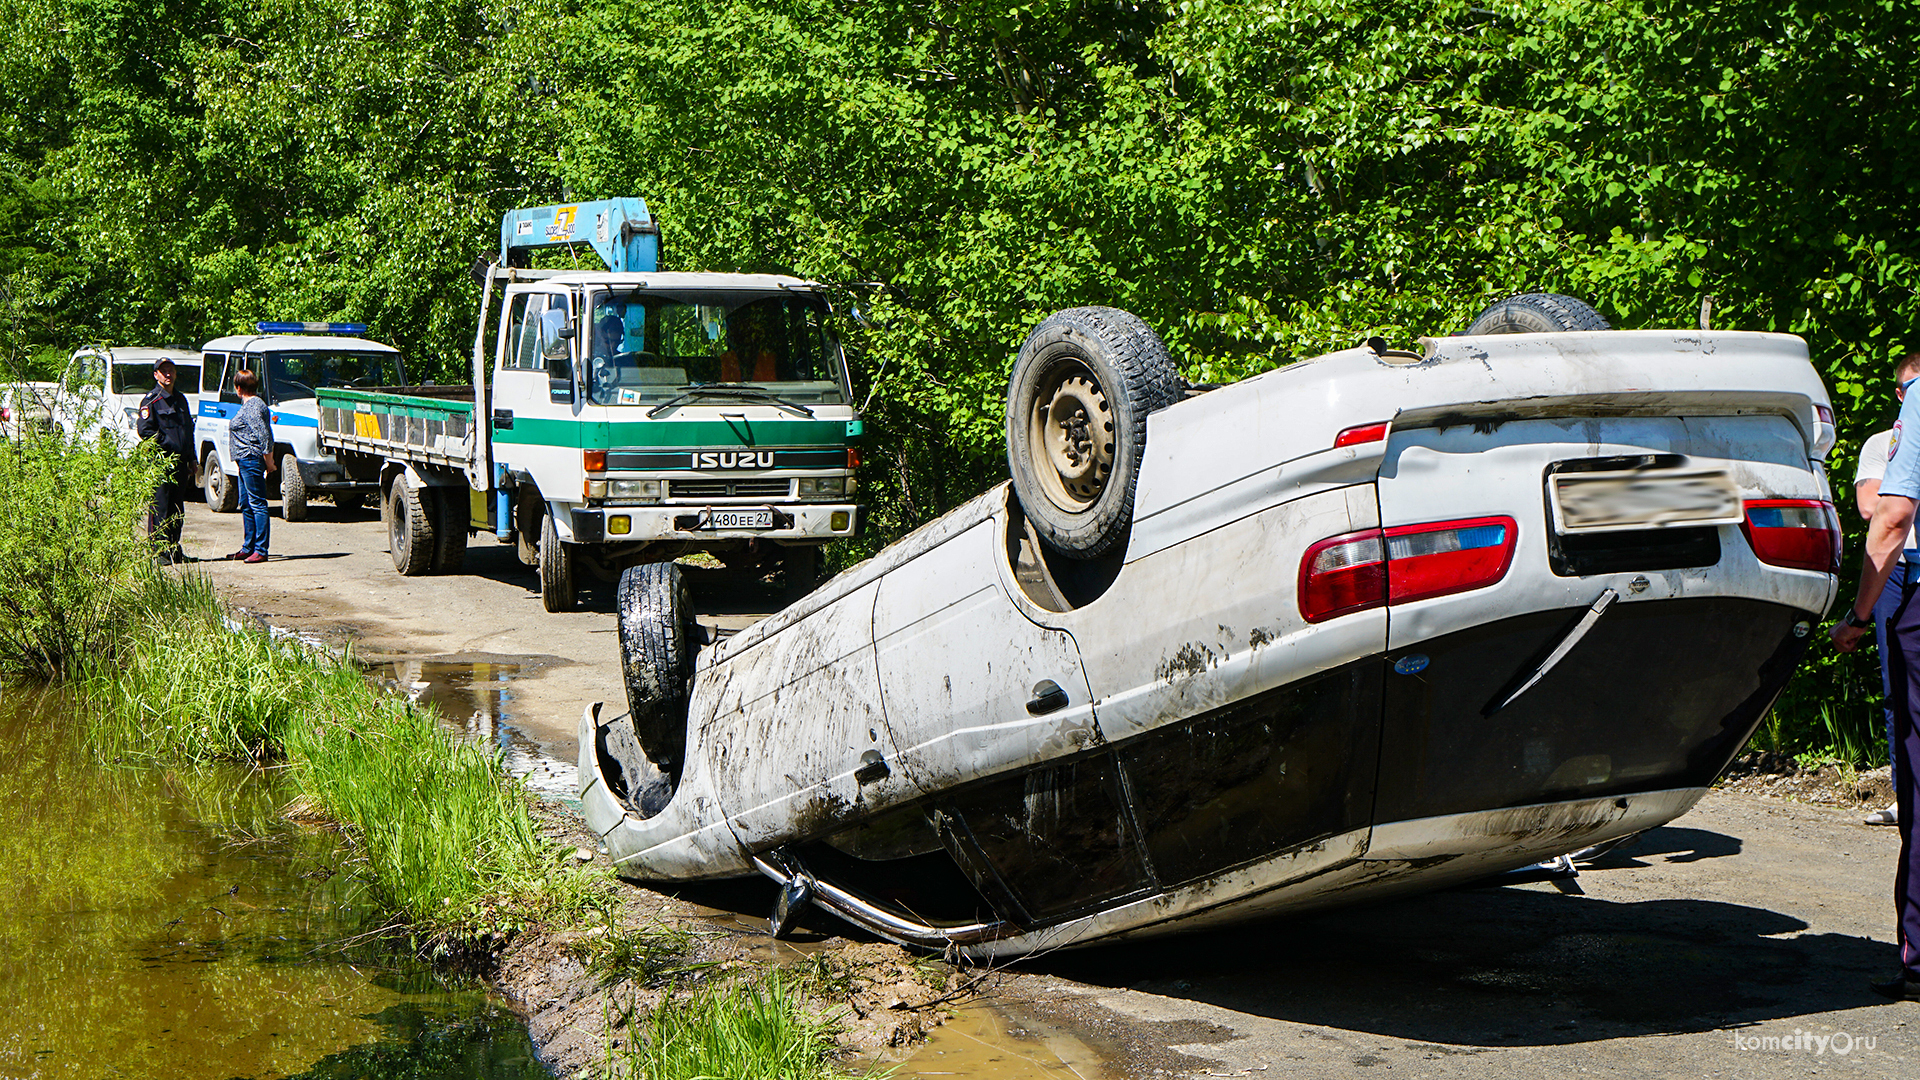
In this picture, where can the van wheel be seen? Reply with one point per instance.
(450, 529)
(293, 490)
(657, 642)
(1077, 406)
(410, 527)
(1538, 313)
(556, 569)
(223, 491)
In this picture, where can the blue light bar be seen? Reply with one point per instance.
(310, 327)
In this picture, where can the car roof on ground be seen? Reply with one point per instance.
(271, 342)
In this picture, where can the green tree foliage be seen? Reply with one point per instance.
(1261, 180)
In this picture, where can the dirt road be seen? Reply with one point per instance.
(1735, 942)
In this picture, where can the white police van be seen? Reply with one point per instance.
(291, 359)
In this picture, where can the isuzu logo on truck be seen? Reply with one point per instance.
(738, 460)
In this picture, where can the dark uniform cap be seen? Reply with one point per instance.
(163, 362)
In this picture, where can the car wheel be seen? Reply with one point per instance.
(450, 529)
(223, 491)
(657, 642)
(293, 490)
(410, 527)
(1538, 313)
(556, 569)
(1077, 406)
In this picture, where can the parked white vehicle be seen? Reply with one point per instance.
(101, 389)
(1375, 622)
(291, 359)
(26, 407)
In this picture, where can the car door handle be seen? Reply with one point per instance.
(1047, 696)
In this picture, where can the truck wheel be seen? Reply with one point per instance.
(293, 490)
(450, 529)
(556, 569)
(1077, 406)
(410, 528)
(657, 642)
(1538, 313)
(800, 569)
(223, 491)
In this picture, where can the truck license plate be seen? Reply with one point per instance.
(741, 519)
(1643, 499)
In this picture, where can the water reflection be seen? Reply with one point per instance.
(474, 694)
(169, 923)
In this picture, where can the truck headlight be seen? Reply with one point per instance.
(641, 490)
(822, 485)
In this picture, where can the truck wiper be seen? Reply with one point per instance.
(745, 390)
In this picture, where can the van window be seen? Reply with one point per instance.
(212, 365)
(228, 395)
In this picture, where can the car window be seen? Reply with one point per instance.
(212, 366)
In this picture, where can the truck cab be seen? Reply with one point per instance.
(710, 411)
(292, 360)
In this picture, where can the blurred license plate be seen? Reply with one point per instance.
(1641, 499)
(741, 519)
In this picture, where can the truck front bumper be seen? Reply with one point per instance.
(792, 522)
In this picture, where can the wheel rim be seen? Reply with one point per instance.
(397, 521)
(1070, 436)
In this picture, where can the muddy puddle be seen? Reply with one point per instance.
(475, 695)
(168, 923)
(983, 1042)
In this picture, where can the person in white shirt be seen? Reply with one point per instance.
(1866, 492)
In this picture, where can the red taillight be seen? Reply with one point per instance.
(1344, 574)
(1803, 534)
(1365, 433)
(1447, 557)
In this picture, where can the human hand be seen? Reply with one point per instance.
(1845, 638)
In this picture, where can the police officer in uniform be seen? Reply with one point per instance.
(165, 420)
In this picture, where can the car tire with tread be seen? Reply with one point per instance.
(1538, 313)
(222, 491)
(409, 514)
(658, 637)
(1077, 405)
(450, 529)
(556, 569)
(293, 490)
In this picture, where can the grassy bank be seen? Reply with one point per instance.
(159, 673)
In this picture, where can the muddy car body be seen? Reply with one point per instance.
(1382, 621)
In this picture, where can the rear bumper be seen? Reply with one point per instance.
(326, 476)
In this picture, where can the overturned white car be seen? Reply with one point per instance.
(1375, 622)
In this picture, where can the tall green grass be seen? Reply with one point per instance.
(741, 1030)
(447, 839)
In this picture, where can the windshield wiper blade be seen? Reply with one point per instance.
(730, 390)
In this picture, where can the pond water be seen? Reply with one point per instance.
(168, 923)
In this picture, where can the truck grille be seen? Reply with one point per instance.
(729, 489)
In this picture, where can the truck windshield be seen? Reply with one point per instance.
(646, 349)
(294, 373)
